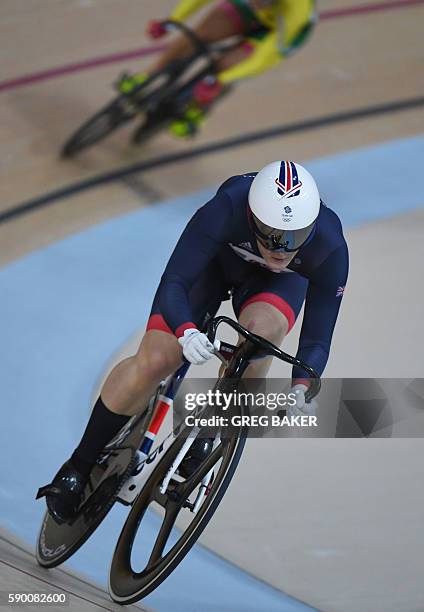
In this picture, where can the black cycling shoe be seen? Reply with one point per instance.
(65, 493)
(199, 450)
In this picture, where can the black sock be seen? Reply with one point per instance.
(101, 428)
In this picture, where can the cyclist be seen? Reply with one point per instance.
(269, 239)
(269, 31)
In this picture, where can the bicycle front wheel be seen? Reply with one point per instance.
(99, 126)
(128, 583)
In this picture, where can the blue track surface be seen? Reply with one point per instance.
(67, 308)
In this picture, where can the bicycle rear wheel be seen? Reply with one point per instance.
(126, 585)
(100, 125)
(56, 543)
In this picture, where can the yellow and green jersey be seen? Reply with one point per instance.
(286, 24)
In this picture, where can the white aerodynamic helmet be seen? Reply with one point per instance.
(284, 204)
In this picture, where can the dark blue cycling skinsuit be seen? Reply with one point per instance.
(217, 254)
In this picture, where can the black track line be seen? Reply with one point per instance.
(221, 145)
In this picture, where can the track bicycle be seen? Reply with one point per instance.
(161, 98)
(142, 472)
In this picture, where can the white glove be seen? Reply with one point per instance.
(196, 347)
(301, 408)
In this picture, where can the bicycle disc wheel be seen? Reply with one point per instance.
(99, 126)
(126, 585)
(56, 543)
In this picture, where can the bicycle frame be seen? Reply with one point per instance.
(178, 67)
(236, 360)
(146, 457)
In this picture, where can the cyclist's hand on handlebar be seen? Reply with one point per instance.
(156, 29)
(196, 346)
(301, 408)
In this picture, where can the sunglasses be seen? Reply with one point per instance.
(287, 241)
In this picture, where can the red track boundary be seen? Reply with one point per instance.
(59, 71)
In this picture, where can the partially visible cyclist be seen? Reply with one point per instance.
(269, 30)
(267, 239)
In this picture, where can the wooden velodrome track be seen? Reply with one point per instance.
(354, 60)
(351, 62)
